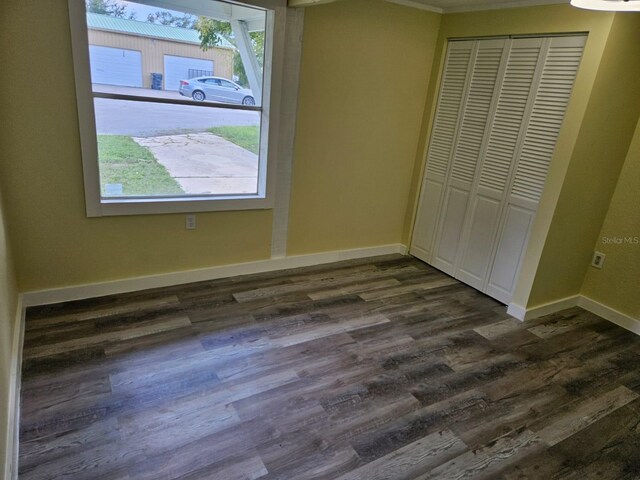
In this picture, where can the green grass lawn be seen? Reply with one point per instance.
(245, 137)
(124, 161)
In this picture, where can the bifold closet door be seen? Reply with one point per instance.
(495, 165)
(464, 105)
(553, 86)
(443, 135)
(499, 112)
(472, 126)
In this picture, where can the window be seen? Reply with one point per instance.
(170, 122)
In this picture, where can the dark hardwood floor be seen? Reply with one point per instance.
(370, 370)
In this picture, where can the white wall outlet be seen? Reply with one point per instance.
(598, 259)
(190, 222)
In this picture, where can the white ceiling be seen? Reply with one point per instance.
(447, 6)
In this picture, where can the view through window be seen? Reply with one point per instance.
(178, 97)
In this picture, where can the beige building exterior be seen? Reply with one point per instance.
(154, 49)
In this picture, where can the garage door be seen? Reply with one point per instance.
(177, 68)
(115, 66)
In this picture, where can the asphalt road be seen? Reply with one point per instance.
(122, 117)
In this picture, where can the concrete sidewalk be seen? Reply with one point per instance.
(203, 163)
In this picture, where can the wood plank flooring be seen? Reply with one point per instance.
(376, 369)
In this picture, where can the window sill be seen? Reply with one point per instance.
(150, 206)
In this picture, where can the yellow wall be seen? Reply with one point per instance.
(8, 312)
(596, 162)
(366, 103)
(616, 285)
(153, 52)
(365, 70)
(42, 177)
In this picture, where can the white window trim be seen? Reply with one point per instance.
(271, 127)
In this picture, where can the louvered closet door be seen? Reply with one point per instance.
(553, 90)
(474, 115)
(499, 113)
(514, 98)
(443, 135)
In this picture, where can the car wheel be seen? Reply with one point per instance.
(248, 101)
(198, 96)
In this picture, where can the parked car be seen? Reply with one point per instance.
(216, 89)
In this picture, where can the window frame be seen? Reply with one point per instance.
(270, 134)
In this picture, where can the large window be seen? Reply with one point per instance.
(174, 102)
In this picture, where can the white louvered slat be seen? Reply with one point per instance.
(550, 104)
(476, 110)
(510, 113)
(448, 111)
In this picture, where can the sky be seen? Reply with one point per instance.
(142, 11)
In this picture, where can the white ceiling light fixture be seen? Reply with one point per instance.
(608, 5)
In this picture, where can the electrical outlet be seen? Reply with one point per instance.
(190, 222)
(598, 259)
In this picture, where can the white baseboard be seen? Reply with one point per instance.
(621, 319)
(517, 311)
(524, 314)
(13, 426)
(79, 292)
